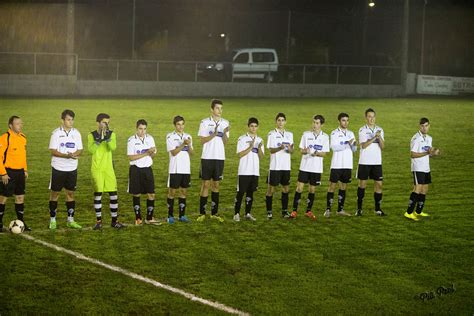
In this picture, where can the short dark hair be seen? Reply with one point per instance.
(320, 118)
(280, 115)
(178, 118)
(66, 113)
(341, 115)
(102, 116)
(369, 110)
(12, 118)
(214, 102)
(424, 120)
(252, 120)
(141, 122)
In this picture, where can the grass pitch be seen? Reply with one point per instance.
(366, 265)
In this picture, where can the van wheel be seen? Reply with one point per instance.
(269, 78)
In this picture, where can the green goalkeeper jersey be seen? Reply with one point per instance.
(102, 168)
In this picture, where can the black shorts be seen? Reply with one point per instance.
(141, 180)
(373, 172)
(311, 177)
(276, 177)
(63, 179)
(343, 175)
(211, 169)
(421, 177)
(16, 184)
(247, 184)
(179, 180)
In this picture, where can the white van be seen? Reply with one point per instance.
(255, 63)
(244, 63)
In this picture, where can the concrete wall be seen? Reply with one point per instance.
(43, 85)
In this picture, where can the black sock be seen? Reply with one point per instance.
(202, 205)
(53, 206)
(269, 203)
(214, 203)
(248, 202)
(309, 204)
(113, 206)
(19, 209)
(420, 203)
(412, 202)
(170, 203)
(296, 201)
(378, 200)
(360, 197)
(70, 207)
(329, 200)
(341, 198)
(284, 201)
(182, 206)
(150, 208)
(2, 211)
(136, 207)
(98, 205)
(238, 201)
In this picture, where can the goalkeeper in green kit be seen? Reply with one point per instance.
(101, 143)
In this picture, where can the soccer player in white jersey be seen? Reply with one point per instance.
(280, 144)
(250, 150)
(180, 147)
(343, 144)
(421, 151)
(314, 145)
(65, 146)
(372, 142)
(141, 150)
(214, 134)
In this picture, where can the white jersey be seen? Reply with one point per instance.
(138, 146)
(249, 165)
(181, 163)
(372, 154)
(65, 142)
(342, 150)
(213, 149)
(420, 144)
(280, 160)
(315, 143)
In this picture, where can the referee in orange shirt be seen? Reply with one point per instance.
(13, 168)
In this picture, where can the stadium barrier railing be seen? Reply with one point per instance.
(193, 71)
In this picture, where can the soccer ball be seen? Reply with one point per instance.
(16, 226)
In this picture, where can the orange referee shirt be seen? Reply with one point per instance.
(12, 151)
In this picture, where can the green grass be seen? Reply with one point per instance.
(366, 265)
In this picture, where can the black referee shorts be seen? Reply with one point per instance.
(141, 180)
(211, 169)
(63, 179)
(16, 184)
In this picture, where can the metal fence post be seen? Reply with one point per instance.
(304, 74)
(337, 74)
(34, 63)
(118, 68)
(195, 72)
(77, 64)
(157, 71)
(370, 76)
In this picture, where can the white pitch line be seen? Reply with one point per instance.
(139, 277)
